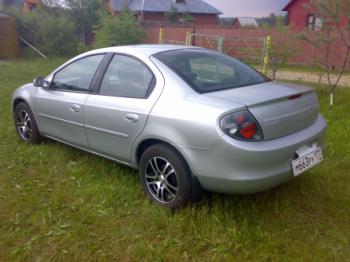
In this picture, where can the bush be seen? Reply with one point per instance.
(52, 34)
(119, 30)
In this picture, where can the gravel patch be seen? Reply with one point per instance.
(312, 77)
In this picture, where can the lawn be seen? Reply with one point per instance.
(58, 203)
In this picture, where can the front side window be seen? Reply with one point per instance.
(207, 71)
(78, 75)
(127, 77)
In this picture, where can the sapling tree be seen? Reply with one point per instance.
(283, 47)
(331, 38)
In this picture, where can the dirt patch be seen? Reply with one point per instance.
(312, 77)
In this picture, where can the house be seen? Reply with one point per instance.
(240, 22)
(155, 10)
(24, 5)
(300, 16)
(226, 21)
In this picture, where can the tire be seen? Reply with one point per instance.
(25, 124)
(165, 176)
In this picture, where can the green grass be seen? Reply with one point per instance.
(58, 203)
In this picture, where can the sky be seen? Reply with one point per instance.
(250, 8)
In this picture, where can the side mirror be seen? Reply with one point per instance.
(41, 82)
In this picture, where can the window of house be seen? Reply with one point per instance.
(31, 6)
(127, 77)
(78, 75)
(314, 23)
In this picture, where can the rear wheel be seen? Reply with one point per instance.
(26, 126)
(165, 176)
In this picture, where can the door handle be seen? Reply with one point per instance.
(133, 118)
(75, 107)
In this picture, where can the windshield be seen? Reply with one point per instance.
(208, 71)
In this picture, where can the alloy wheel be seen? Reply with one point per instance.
(161, 179)
(24, 125)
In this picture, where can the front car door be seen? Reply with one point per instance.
(118, 112)
(60, 108)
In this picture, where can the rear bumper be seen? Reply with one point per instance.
(249, 167)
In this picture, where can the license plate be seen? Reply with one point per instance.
(306, 162)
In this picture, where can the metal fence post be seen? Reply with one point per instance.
(266, 60)
(161, 35)
(188, 35)
(220, 44)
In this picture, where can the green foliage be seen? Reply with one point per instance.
(272, 20)
(60, 204)
(186, 18)
(122, 29)
(84, 14)
(327, 38)
(52, 34)
(82, 47)
(283, 48)
(172, 15)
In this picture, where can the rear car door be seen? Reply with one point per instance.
(60, 108)
(118, 112)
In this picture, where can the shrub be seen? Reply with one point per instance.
(119, 30)
(51, 34)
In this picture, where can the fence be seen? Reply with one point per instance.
(250, 49)
(8, 36)
(245, 44)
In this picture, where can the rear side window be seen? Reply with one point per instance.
(208, 71)
(127, 77)
(78, 75)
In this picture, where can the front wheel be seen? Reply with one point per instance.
(165, 176)
(25, 124)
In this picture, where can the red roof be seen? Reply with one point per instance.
(288, 5)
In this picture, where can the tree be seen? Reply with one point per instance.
(118, 30)
(186, 17)
(85, 15)
(272, 20)
(283, 47)
(172, 15)
(325, 39)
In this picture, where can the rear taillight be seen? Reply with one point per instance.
(293, 97)
(241, 125)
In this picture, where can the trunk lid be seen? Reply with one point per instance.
(281, 109)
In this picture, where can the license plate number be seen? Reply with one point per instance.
(304, 163)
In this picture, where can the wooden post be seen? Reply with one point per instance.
(266, 60)
(161, 35)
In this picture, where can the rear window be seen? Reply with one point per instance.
(208, 71)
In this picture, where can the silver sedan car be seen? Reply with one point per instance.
(187, 118)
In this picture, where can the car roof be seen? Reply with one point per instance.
(141, 50)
